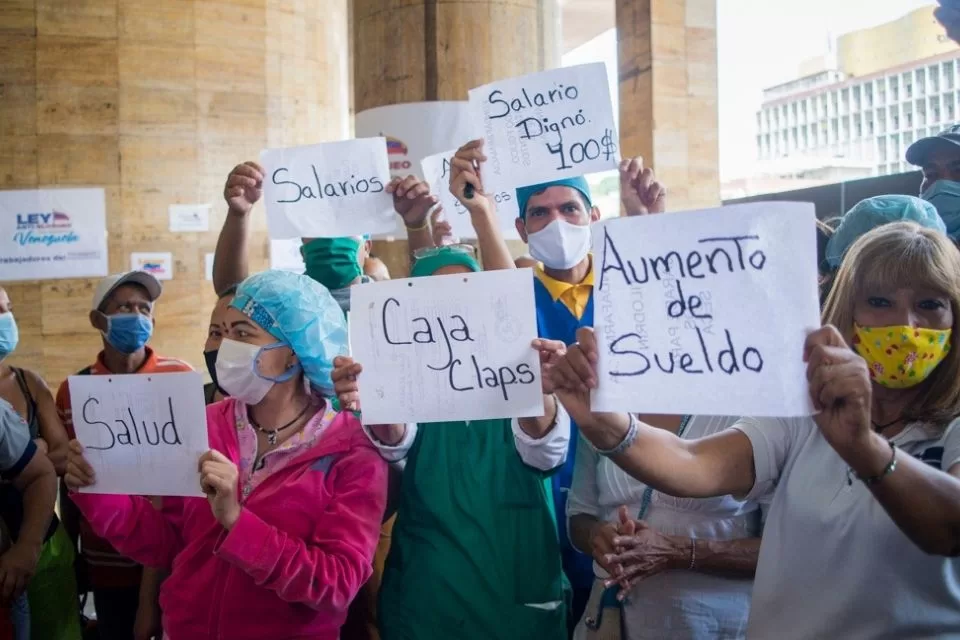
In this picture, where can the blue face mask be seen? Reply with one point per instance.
(945, 196)
(128, 332)
(9, 335)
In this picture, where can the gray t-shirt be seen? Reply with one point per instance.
(832, 563)
(16, 447)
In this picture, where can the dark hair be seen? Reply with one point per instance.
(825, 229)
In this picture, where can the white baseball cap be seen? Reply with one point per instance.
(109, 284)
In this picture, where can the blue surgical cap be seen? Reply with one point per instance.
(301, 313)
(579, 183)
(874, 212)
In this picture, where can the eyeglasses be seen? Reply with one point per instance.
(426, 252)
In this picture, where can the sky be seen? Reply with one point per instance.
(761, 43)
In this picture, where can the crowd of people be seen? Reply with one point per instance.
(573, 524)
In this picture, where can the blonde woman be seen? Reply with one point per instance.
(863, 531)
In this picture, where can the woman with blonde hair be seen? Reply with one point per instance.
(863, 530)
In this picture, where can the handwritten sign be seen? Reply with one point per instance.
(328, 190)
(142, 433)
(443, 348)
(546, 126)
(706, 312)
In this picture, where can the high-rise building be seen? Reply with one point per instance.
(856, 109)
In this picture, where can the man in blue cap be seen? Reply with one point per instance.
(939, 158)
(554, 221)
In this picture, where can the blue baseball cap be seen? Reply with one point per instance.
(579, 183)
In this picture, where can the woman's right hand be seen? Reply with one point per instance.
(79, 472)
(345, 372)
(602, 535)
(464, 170)
(244, 187)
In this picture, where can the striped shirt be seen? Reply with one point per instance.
(109, 569)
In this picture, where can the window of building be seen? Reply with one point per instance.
(919, 82)
(934, 110)
(882, 170)
(907, 81)
(950, 108)
(882, 151)
(868, 95)
(920, 108)
(857, 127)
(845, 100)
(933, 74)
(948, 76)
(894, 121)
(881, 92)
(868, 119)
(895, 89)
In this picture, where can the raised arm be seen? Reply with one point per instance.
(51, 429)
(244, 187)
(412, 201)
(716, 465)
(640, 192)
(923, 501)
(465, 170)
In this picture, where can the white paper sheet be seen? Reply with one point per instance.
(328, 190)
(706, 312)
(48, 234)
(546, 126)
(285, 255)
(189, 217)
(445, 348)
(142, 433)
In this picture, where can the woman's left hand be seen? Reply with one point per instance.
(218, 479)
(551, 351)
(642, 551)
(841, 391)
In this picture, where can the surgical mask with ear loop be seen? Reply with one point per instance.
(560, 245)
(237, 372)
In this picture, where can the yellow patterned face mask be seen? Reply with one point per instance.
(901, 357)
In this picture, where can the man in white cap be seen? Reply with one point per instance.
(124, 593)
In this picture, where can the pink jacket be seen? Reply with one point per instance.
(293, 562)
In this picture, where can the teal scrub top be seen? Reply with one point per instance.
(474, 543)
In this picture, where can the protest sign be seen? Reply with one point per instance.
(143, 434)
(444, 348)
(546, 126)
(706, 312)
(47, 234)
(285, 255)
(436, 171)
(328, 190)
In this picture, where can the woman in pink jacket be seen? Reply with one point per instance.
(295, 491)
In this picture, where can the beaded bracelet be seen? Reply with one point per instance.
(628, 439)
(887, 470)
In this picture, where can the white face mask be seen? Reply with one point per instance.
(236, 372)
(560, 245)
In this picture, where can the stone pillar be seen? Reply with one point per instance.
(419, 50)
(667, 51)
(155, 101)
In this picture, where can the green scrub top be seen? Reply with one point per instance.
(474, 543)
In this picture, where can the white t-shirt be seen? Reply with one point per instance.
(832, 563)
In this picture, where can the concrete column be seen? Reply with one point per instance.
(667, 51)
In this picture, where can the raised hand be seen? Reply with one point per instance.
(551, 352)
(640, 191)
(345, 372)
(79, 472)
(441, 229)
(412, 200)
(218, 480)
(464, 170)
(244, 187)
(841, 391)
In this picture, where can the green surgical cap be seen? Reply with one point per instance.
(443, 257)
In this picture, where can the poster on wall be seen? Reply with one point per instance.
(159, 264)
(416, 130)
(285, 255)
(47, 234)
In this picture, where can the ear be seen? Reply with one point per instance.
(521, 229)
(97, 320)
(594, 214)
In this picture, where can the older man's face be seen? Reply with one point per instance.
(943, 163)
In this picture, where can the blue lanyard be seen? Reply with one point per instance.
(648, 492)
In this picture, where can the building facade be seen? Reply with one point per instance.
(876, 93)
